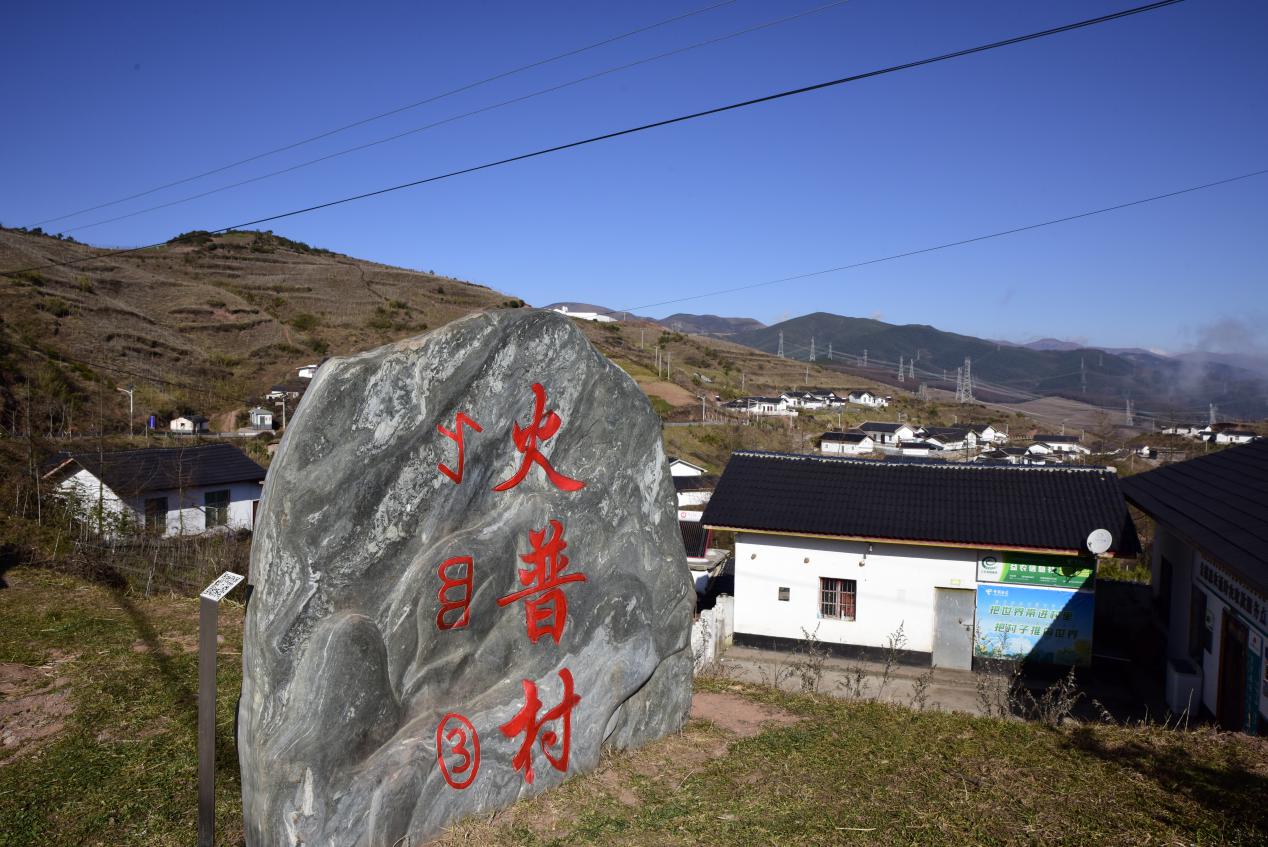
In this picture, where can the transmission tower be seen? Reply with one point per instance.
(780, 354)
(1212, 420)
(829, 351)
(968, 380)
(864, 357)
(902, 372)
(959, 385)
(911, 370)
(1083, 374)
(1130, 420)
(812, 348)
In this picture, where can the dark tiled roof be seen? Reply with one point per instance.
(695, 538)
(880, 426)
(954, 433)
(1033, 508)
(1218, 502)
(132, 472)
(701, 482)
(844, 437)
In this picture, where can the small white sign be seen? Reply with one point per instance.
(685, 515)
(224, 583)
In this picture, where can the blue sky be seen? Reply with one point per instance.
(105, 100)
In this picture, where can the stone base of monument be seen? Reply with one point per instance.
(468, 582)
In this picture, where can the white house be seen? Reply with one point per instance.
(308, 371)
(1189, 430)
(1210, 581)
(585, 316)
(949, 438)
(826, 396)
(693, 490)
(885, 433)
(919, 448)
(189, 424)
(261, 418)
(1046, 444)
(1234, 436)
(846, 443)
(863, 397)
(804, 400)
(959, 557)
(776, 406)
(681, 467)
(987, 434)
(169, 490)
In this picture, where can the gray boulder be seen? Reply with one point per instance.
(437, 631)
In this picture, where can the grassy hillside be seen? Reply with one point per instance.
(97, 747)
(200, 324)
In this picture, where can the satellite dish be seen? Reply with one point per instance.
(1099, 540)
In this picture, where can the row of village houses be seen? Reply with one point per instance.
(971, 561)
(1215, 433)
(990, 445)
(788, 403)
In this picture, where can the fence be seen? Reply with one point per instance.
(712, 632)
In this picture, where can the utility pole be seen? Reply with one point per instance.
(741, 382)
(780, 354)
(128, 391)
(807, 379)
(283, 410)
(640, 338)
(1083, 374)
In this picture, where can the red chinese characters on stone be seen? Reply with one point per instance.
(526, 721)
(544, 426)
(456, 575)
(456, 435)
(457, 741)
(546, 612)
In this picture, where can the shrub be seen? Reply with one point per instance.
(305, 321)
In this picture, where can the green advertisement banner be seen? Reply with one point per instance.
(1035, 569)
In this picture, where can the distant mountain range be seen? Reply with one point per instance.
(679, 322)
(1169, 386)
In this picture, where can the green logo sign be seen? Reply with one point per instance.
(1035, 569)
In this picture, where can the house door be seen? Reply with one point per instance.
(953, 611)
(1231, 705)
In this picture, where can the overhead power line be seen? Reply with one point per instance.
(946, 245)
(396, 111)
(779, 95)
(462, 116)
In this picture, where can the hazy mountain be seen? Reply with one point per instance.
(1158, 384)
(709, 324)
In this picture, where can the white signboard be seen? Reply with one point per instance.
(224, 583)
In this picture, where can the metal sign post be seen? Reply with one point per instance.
(208, 613)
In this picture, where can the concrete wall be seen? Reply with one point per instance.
(895, 586)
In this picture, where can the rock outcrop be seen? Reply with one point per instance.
(468, 581)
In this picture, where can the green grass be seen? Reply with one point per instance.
(122, 771)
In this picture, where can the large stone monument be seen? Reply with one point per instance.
(468, 581)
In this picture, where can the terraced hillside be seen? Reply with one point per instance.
(203, 322)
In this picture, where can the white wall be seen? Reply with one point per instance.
(693, 498)
(896, 585)
(185, 508)
(88, 490)
(844, 447)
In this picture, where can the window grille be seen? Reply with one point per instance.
(837, 598)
